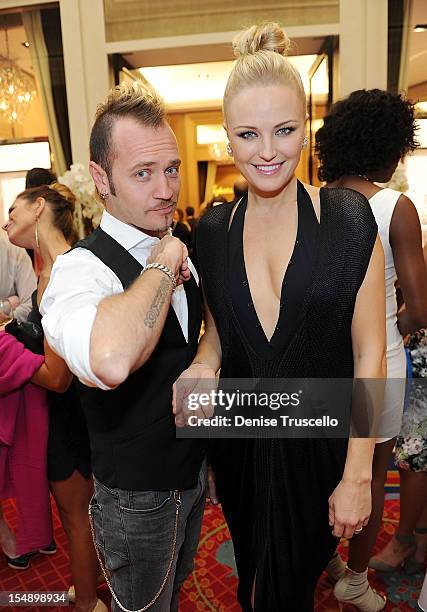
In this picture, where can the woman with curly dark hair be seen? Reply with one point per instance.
(360, 144)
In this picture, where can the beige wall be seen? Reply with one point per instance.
(363, 45)
(127, 19)
(86, 68)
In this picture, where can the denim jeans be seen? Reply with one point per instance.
(147, 541)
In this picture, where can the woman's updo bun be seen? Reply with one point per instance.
(61, 201)
(66, 194)
(261, 61)
(263, 37)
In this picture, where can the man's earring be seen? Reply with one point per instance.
(37, 233)
(305, 142)
(229, 150)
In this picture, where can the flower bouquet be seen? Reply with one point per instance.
(88, 210)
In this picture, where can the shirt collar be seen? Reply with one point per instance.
(126, 235)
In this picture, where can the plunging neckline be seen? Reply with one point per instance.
(276, 328)
(240, 289)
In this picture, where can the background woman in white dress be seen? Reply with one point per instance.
(360, 144)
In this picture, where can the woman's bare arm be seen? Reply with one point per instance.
(350, 503)
(406, 243)
(54, 374)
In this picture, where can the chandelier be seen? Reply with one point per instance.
(16, 88)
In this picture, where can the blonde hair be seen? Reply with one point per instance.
(134, 99)
(261, 60)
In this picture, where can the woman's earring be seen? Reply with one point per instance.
(103, 194)
(229, 150)
(305, 142)
(37, 234)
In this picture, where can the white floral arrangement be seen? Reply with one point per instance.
(399, 180)
(88, 210)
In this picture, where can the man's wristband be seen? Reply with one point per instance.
(164, 269)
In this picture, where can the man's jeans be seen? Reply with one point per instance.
(135, 533)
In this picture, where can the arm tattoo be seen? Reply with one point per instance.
(157, 303)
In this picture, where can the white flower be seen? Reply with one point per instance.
(412, 446)
(78, 179)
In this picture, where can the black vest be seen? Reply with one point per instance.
(132, 428)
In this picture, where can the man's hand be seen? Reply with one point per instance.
(171, 252)
(198, 379)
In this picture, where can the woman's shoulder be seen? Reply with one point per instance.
(352, 205)
(215, 218)
(350, 218)
(211, 236)
(345, 195)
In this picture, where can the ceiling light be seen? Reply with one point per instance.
(17, 87)
(25, 44)
(206, 81)
(420, 27)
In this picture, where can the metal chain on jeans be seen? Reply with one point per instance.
(177, 498)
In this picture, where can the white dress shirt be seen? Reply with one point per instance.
(16, 276)
(78, 282)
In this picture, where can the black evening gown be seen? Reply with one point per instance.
(274, 492)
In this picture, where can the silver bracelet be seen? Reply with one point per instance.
(158, 266)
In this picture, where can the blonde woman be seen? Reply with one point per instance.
(294, 283)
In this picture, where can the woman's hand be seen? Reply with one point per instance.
(196, 381)
(350, 508)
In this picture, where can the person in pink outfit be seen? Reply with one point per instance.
(23, 442)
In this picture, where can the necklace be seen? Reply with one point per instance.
(364, 177)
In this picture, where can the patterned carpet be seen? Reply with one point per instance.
(212, 586)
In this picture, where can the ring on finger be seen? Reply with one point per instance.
(358, 530)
